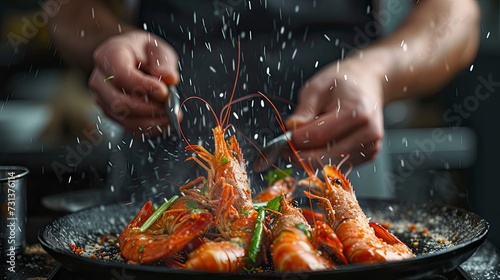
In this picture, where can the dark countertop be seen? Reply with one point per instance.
(484, 264)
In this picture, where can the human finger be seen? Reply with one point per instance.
(310, 104)
(332, 126)
(119, 104)
(122, 68)
(162, 61)
(362, 146)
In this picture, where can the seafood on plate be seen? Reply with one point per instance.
(363, 241)
(217, 226)
(213, 227)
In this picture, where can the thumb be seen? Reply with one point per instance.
(307, 109)
(163, 62)
(295, 121)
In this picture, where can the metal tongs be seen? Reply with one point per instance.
(271, 152)
(172, 106)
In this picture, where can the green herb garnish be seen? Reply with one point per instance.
(193, 207)
(274, 204)
(191, 204)
(157, 213)
(224, 160)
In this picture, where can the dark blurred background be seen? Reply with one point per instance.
(49, 123)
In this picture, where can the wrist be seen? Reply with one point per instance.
(393, 66)
(376, 66)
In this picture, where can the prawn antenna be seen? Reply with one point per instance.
(226, 110)
(209, 108)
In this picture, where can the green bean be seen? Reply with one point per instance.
(256, 241)
(157, 213)
(257, 205)
(254, 248)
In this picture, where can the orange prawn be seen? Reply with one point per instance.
(295, 244)
(168, 235)
(363, 242)
(226, 192)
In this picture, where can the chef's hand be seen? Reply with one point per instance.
(129, 79)
(339, 113)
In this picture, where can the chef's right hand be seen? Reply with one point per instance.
(130, 77)
(339, 113)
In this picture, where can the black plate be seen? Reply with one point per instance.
(441, 236)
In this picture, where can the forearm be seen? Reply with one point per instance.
(438, 39)
(80, 26)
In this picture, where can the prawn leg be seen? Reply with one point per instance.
(388, 237)
(324, 235)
